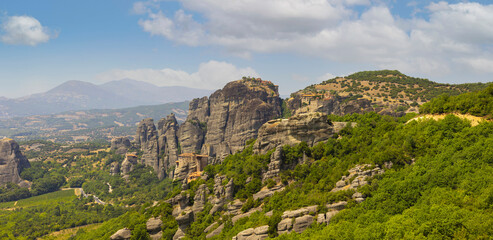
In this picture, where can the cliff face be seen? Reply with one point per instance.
(168, 141)
(309, 127)
(147, 138)
(336, 105)
(236, 113)
(12, 162)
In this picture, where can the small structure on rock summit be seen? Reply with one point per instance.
(195, 162)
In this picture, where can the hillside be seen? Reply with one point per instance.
(478, 104)
(385, 91)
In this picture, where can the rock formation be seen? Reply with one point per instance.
(192, 134)
(200, 199)
(114, 168)
(122, 234)
(128, 164)
(237, 112)
(120, 145)
(147, 138)
(335, 105)
(258, 233)
(275, 164)
(190, 166)
(216, 126)
(168, 141)
(308, 127)
(222, 194)
(153, 227)
(12, 162)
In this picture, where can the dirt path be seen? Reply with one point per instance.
(473, 119)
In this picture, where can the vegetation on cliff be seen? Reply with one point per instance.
(479, 103)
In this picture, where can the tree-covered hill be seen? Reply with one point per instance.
(393, 85)
(386, 92)
(478, 103)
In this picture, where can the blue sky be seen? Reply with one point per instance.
(206, 43)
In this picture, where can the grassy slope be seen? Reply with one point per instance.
(45, 199)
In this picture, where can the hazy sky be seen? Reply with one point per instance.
(206, 43)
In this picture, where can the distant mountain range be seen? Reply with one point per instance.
(79, 95)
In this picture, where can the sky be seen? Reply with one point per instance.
(207, 43)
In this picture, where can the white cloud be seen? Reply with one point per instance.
(24, 30)
(334, 30)
(210, 75)
(326, 76)
(479, 64)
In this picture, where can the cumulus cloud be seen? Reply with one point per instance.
(210, 75)
(335, 30)
(326, 76)
(24, 30)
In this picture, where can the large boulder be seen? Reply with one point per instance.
(153, 225)
(122, 234)
(12, 162)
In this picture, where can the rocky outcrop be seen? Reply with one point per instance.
(147, 139)
(258, 233)
(267, 192)
(221, 124)
(237, 112)
(153, 226)
(337, 105)
(222, 194)
(192, 134)
(12, 162)
(357, 177)
(114, 168)
(128, 164)
(275, 164)
(297, 220)
(234, 207)
(216, 231)
(122, 234)
(309, 127)
(200, 199)
(199, 109)
(120, 145)
(168, 141)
